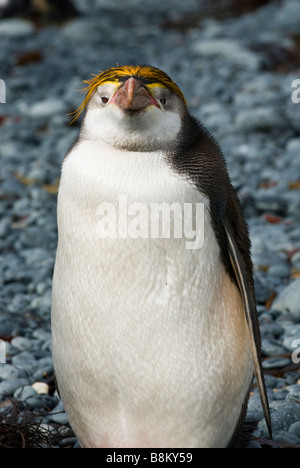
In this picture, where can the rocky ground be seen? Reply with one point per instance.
(236, 71)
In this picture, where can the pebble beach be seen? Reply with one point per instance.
(240, 74)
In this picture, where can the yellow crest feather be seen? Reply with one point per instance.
(147, 73)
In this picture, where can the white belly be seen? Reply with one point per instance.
(150, 343)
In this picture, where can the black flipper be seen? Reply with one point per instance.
(251, 317)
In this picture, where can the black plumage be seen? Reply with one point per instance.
(196, 155)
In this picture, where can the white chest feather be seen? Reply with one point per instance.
(142, 326)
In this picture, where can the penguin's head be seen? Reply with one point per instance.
(135, 108)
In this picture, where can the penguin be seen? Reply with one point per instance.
(155, 340)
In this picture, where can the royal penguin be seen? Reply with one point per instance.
(155, 332)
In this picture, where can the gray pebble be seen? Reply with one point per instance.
(42, 401)
(42, 303)
(277, 404)
(272, 348)
(296, 265)
(7, 327)
(296, 259)
(21, 343)
(284, 417)
(280, 271)
(23, 393)
(9, 372)
(292, 397)
(284, 437)
(14, 27)
(70, 441)
(281, 395)
(58, 415)
(22, 358)
(293, 146)
(271, 330)
(35, 256)
(288, 17)
(271, 382)
(60, 418)
(8, 387)
(46, 109)
(289, 300)
(265, 202)
(45, 369)
(254, 403)
(253, 445)
(294, 393)
(42, 334)
(4, 227)
(229, 50)
(263, 118)
(275, 363)
(295, 429)
(85, 30)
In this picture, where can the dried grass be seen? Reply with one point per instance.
(21, 428)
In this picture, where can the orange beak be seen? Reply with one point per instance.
(133, 96)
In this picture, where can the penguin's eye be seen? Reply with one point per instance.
(163, 101)
(104, 100)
